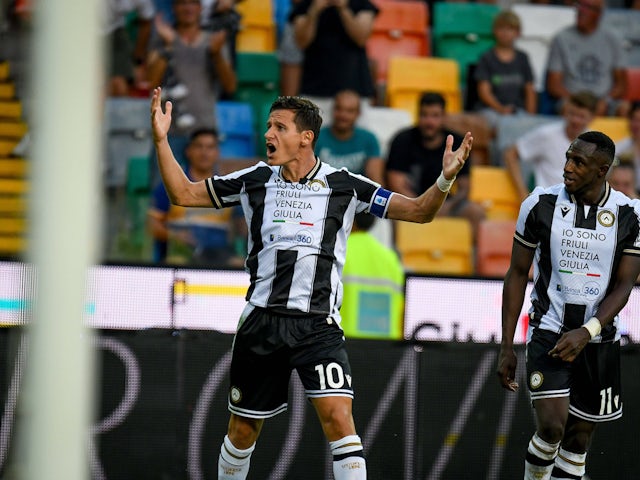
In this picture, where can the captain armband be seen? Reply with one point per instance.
(380, 203)
(593, 326)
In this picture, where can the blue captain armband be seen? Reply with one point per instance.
(380, 203)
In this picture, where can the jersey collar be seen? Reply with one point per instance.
(309, 176)
(603, 199)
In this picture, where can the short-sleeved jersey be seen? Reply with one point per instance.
(297, 232)
(577, 253)
(587, 62)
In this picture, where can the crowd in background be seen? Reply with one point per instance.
(191, 49)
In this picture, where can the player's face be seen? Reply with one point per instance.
(203, 153)
(582, 170)
(430, 120)
(282, 139)
(345, 112)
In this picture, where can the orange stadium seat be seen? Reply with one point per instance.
(633, 84)
(257, 27)
(493, 247)
(409, 77)
(444, 246)
(493, 188)
(615, 127)
(400, 28)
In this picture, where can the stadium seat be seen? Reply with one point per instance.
(235, 124)
(10, 109)
(409, 77)
(615, 127)
(11, 244)
(493, 247)
(493, 188)
(258, 84)
(12, 225)
(400, 28)
(443, 246)
(13, 167)
(540, 23)
(257, 27)
(7, 146)
(633, 84)
(7, 90)
(477, 124)
(12, 205)
(4, 71)
(12, 129)
(384, 123)
(463, 31)
(128, 135)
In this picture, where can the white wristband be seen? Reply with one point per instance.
(443, 184)
(593, 326)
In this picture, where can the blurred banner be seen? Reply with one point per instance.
(127, 297)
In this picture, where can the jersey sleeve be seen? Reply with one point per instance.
(225, 191)
(370, 196)
(526, 229)
(632, 246)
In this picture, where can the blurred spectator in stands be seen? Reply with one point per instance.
(343, 144)
(415, 161)
(622, 177)
(543, 149)
(126, 66)
(332, 35)
(503, 75)
(195, 235)
(373, 280)
(193, 66)
(630, 147)
(221, 15)
(290, 57)
(588, 57)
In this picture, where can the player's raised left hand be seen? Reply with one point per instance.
(160, 121)
(453, 161)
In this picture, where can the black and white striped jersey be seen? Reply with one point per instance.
(577, 253)
(297, 232)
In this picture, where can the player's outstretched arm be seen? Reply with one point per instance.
(180, 189)
(424, 208)
(513, 291)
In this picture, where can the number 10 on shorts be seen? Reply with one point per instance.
(332, 374)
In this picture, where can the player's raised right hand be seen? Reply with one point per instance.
(160, 121)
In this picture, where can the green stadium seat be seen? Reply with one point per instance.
(258, 84)
(463, 32)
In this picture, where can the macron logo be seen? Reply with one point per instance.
(382, 201)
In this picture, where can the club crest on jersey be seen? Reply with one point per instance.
(235, 394)
(319, 182)
(536, 379)
(606, 218)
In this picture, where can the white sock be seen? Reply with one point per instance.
(571, 463)
(233, 464)
(348, 459)
(540, 457)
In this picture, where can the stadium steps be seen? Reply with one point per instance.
(14, 183)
